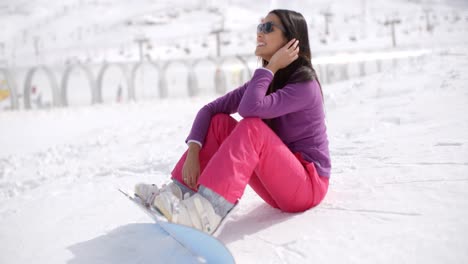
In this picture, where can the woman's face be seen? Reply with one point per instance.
(269, 43)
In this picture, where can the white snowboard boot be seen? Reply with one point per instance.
(147, 192)
(195, 211)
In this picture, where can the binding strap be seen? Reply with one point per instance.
(203, 214)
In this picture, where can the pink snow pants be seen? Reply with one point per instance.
(249, 152)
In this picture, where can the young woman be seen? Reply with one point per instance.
(280, 148)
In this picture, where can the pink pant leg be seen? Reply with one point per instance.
(258, 187)
(221, 126)
(253, 147)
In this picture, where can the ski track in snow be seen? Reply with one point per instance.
(399, 147)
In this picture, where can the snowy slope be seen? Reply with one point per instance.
(59, 33)
(399, 145)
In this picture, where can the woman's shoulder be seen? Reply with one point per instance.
(304, 83)
(305, 77)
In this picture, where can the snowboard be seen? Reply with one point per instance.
(188, 245)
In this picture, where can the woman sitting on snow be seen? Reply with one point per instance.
(280, 148)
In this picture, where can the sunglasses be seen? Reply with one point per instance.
(267, 27)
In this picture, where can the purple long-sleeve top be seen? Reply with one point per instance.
(295, 114)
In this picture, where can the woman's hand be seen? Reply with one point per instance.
(191, 168)
(284, 56)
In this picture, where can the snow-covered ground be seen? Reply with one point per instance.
(398, 139)
(399, 145)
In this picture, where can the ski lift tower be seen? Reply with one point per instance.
(140, 40)
(392, 23)
(217, 32)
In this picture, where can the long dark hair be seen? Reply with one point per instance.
(301, 69)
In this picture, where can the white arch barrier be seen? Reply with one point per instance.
(330, 69)
(66, 77)
(163, 79)
(193, 81)
(100, 77)
(133, 73)
(12, 87)
(53, 82)
(220, 75)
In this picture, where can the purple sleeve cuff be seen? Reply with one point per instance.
(194, 141)
(263, 68)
